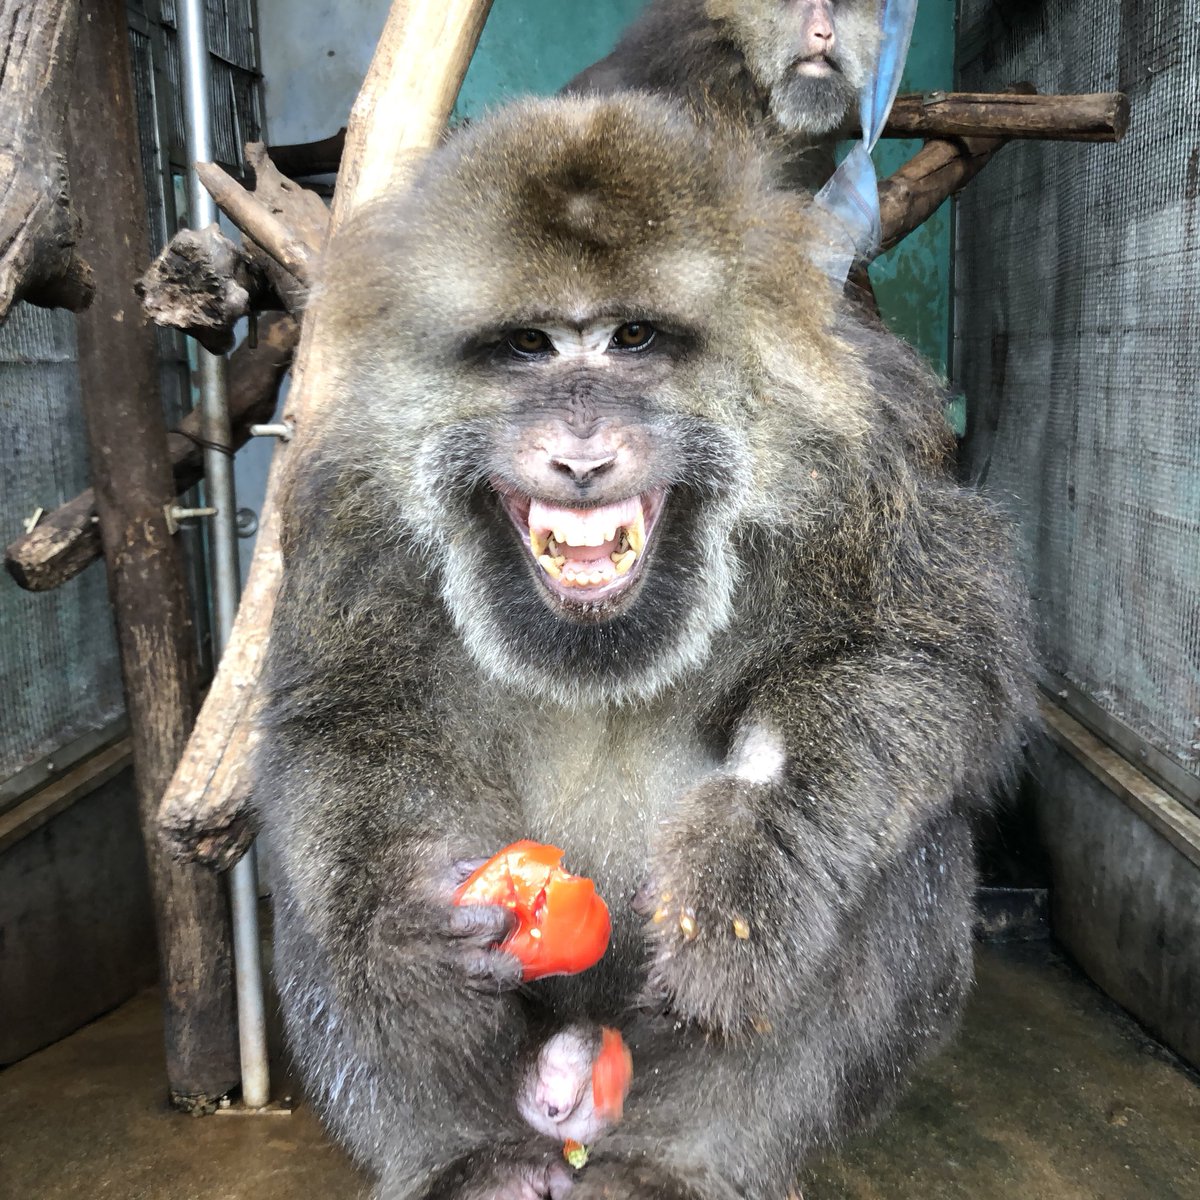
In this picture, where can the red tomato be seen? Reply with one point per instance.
(612, 1073)
(562, 924)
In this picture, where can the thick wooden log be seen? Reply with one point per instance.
(202, 284)
(399, 115)
(127, 441)
(39, 230)
(1100, 117)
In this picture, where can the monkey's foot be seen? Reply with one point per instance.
(556, 1095)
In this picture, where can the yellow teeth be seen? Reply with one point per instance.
(552, 566)
(537, 542)
(624, 561)
(636, 533)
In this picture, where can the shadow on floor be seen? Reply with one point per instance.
(1050, 1093)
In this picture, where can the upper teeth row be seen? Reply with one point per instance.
(635, 535)
(563, 538)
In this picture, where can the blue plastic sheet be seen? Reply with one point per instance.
(851, 197)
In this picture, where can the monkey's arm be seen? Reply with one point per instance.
(398, 1003)
(835, 767)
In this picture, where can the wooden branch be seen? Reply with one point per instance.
(257, 221)
(202, 284)
(39, 262)
(68, 539)
(399, 115)
(127, 447)
(1102, 117)
(1098, 117)
(909, 197)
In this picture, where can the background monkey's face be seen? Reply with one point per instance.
(550, 359)
(812, 57)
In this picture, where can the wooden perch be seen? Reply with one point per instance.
(38, 228)
(399, 115)
(1099, 117)
(68, 539)
(910, 196)
(1102, 117)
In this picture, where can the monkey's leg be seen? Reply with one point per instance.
(400, 1010)
(833, 768)
(711, 1117)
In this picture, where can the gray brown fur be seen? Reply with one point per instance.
(817, 579)
(733, 62)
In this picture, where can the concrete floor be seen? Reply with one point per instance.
(1051, 1093)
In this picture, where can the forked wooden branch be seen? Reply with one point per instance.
(909, 197)
(399, 115)
(67, 539)
(203, 284)
(38, 228)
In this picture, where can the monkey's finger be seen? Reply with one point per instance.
(491, 970)
(462, 870)
(647, 899)
(486, 923)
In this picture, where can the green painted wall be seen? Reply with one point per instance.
(537, 45)
(912, 282)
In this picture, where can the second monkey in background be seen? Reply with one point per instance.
(790, 71)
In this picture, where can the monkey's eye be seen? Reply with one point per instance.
(529, 343)
(633, 335)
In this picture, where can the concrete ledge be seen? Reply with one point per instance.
(1125, 885)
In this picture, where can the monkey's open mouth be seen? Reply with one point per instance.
(585, 555)
(818, 66)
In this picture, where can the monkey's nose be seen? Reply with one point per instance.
(583, 469)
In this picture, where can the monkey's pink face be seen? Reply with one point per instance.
(595, 494)
(585, 461)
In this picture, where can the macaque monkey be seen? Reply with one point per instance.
(789, 70)
(625, 534)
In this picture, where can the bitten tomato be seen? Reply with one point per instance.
(612, 1073)
(562, 924)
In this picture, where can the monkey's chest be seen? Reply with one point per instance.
(599, 786)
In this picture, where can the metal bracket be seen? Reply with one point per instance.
(175, 515)
(283, 430)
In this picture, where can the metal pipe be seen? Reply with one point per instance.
(218, 470)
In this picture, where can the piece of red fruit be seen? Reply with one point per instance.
(563, 926)
(612, 1073)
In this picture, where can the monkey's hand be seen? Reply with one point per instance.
(732, 906)
(459, 942)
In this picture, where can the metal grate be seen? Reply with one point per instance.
(1077, 293)
(235, 84)
(59, 672)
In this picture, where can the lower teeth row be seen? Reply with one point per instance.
(553, 566)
